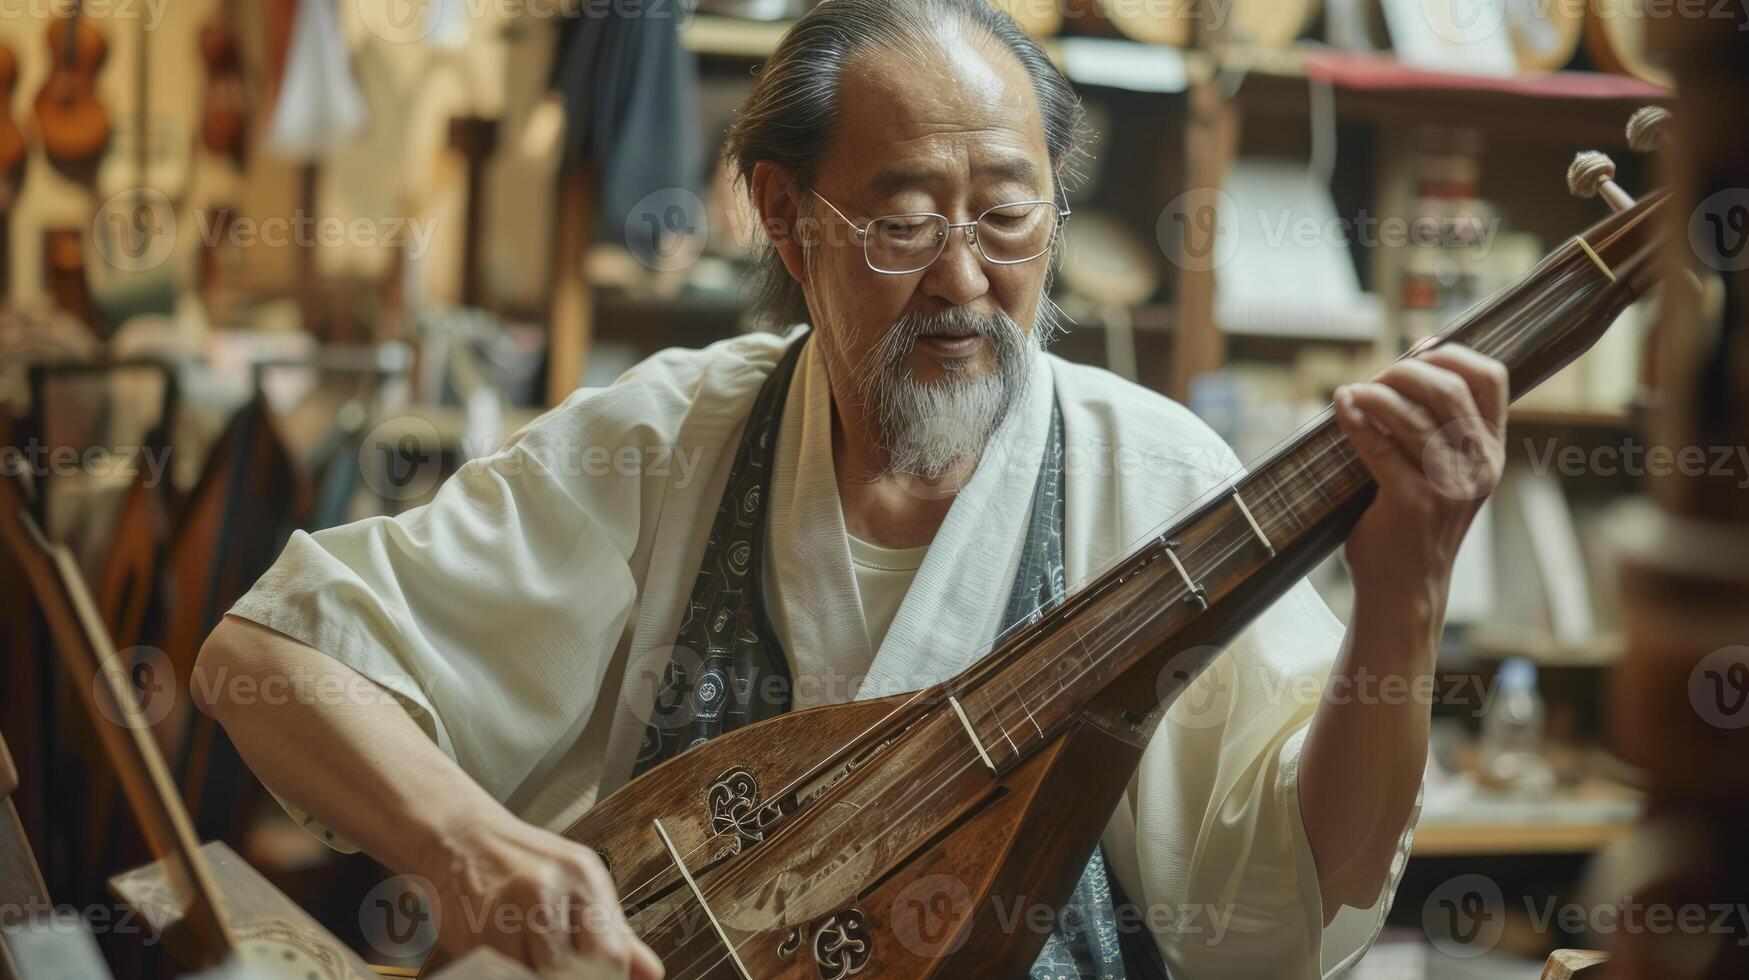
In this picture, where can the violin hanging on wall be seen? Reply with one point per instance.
(11, 164)
(73, 123)
(11, 137)
(224, 106)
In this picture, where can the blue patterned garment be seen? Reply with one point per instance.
(1084, 945)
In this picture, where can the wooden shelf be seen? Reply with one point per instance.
(1562, 107)
(735, 38)
(1493, 641)
(1477, 839)
(1571, 418)
(1570, 819)
(1378, 89)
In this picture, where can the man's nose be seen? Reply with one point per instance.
(957, 277)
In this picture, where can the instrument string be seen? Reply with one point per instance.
(1527, 318)
(1521, 321)
(1231, 484)
(960, 760)
(963, 759)
(1514, 330)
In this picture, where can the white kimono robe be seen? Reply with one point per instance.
(526, 615)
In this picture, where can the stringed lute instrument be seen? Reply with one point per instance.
(885, 837)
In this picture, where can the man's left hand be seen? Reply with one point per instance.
(1430, 430)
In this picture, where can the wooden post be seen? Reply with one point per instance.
(570, 311)
(1211, 141)
(474, 137)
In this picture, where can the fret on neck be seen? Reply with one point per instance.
(1045, 677)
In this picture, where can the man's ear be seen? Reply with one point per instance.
(777, 197)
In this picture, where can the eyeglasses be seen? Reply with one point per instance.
(1007, 234)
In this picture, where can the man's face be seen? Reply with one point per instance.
(955, 131)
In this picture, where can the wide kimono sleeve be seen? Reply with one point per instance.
(492, 613)
(1208, 843)
(1221, 862)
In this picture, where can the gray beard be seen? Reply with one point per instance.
(925, 428)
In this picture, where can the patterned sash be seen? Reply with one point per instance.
(728, 663)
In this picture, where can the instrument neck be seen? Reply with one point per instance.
(70, 36)
(1120, 650)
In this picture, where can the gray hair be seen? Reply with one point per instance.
(791, 115)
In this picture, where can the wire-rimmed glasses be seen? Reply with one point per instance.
(1007, 234)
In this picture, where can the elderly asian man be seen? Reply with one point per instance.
(872, 496)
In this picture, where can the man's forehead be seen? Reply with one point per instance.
(938, 112)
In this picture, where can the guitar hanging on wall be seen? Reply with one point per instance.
(73, 124)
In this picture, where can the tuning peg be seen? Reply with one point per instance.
(1593, 174)
(1646, 130)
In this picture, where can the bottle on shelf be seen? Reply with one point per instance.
(1512, 732)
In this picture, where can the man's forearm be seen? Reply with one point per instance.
(1362, 761)
(360, 765)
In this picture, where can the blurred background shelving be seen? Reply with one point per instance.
(1229, 248)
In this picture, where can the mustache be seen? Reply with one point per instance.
(880, 365)
(901, 339)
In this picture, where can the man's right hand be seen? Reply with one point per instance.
(366, 770)
(535, 897)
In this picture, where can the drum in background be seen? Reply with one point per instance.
(1269, 23)
(1545, 33)
(1616, 34)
